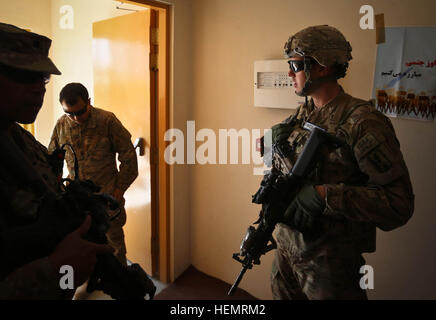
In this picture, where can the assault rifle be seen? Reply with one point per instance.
(275, 194)
(60, 214)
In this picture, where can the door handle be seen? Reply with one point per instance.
(140, 143)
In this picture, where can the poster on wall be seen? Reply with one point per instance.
(405, 73)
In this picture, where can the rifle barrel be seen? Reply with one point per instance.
(235, 285)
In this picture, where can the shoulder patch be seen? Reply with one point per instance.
(365, 145)
(379, 160)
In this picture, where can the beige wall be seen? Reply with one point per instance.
(33, 15)
(72, 49)
(228, 36)
(180, 111)
(71, 52)
(215, 43)
(73, 55)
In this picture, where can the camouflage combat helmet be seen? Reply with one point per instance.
(24, 50)
(324, 44)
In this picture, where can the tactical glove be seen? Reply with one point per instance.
(305, 210)
(280, 132)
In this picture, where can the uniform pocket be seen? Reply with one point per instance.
(99, 149)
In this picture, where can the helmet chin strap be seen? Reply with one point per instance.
(310, 85)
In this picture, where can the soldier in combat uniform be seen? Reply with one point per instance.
(349, 192)
(24, 71)
(97, 136)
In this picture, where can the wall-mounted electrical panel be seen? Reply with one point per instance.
(273, 88)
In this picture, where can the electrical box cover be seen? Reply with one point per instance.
(273, 88)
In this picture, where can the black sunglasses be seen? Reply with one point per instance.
(78, 113)
(296, 65)
(23, 76)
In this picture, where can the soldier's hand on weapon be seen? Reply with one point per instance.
(281, 132)
(305, 210)
(79, 253)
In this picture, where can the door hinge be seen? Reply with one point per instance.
(154, 60)
(154, 36)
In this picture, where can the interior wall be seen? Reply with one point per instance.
(34, 15)
(181, 92)
(214, 45)
(72, 48)
(71, 52)
(228, 36)
(75, 59)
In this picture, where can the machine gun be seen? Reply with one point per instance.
(275, 193)
(60, 214)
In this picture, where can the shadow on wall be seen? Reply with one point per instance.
(405, 261)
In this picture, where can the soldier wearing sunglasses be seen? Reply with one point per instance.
(24, 71)
(350, 191)
(98, 138)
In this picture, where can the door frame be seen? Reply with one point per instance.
(159, 124)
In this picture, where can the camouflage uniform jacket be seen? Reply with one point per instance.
(96, 143)
(367, 185)
(36, 279)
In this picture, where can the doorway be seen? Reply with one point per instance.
(72, 52)
(131, 78)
